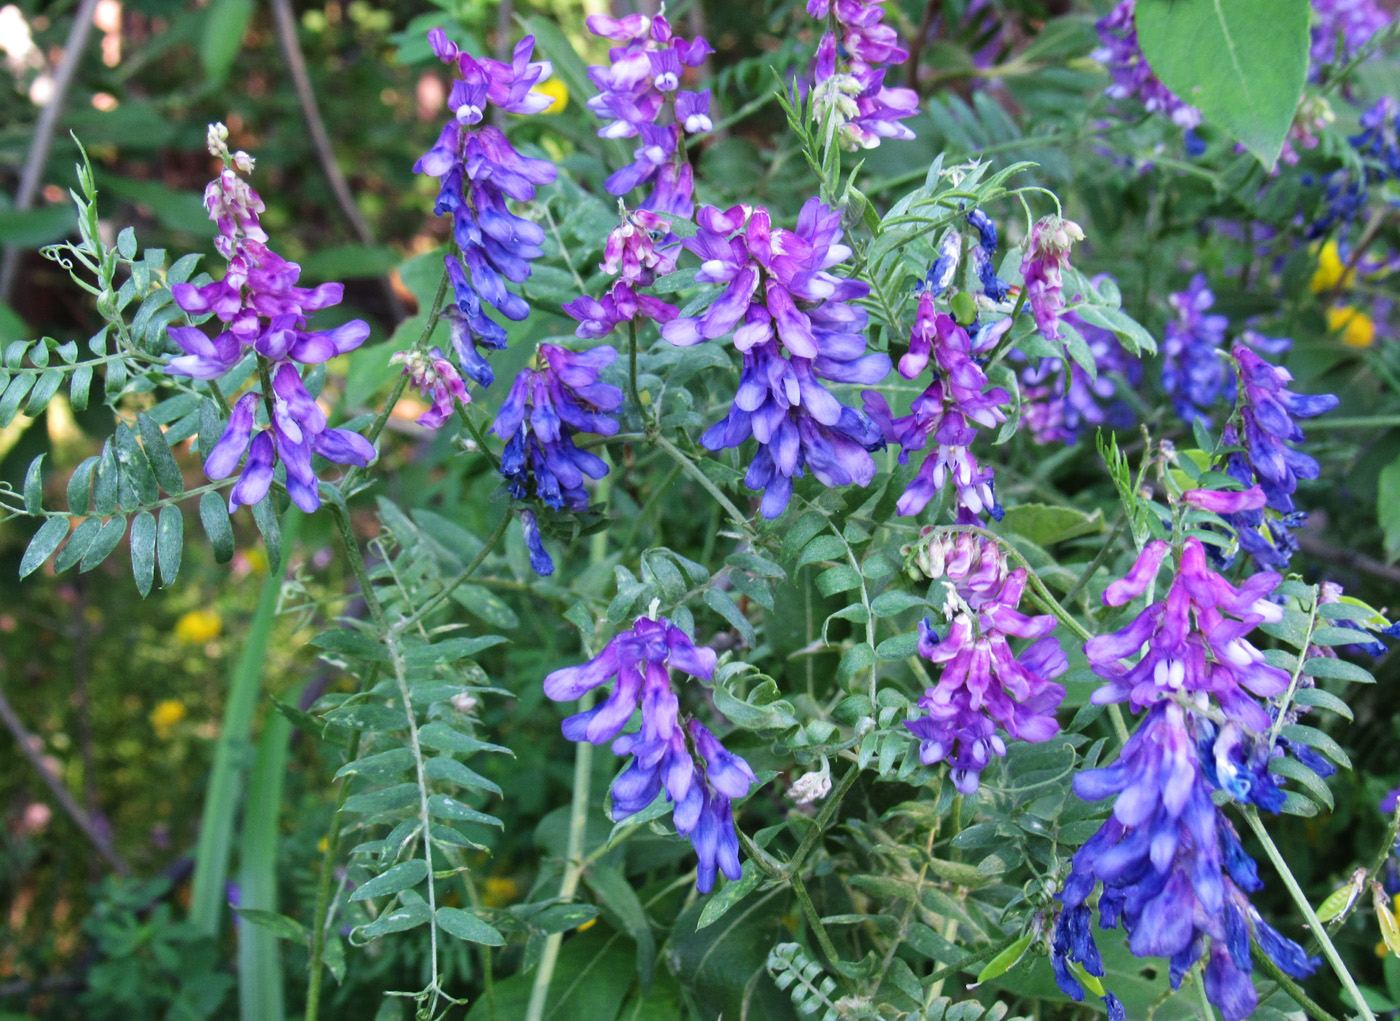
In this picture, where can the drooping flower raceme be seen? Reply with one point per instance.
(1047, 255)
(1132, 77)
(1340, 28)
(263, 311)
(1059, 400)
(852, 98)
(796, 324)
(983, 684)
(1171, 864)
(958, 400)
(480, 170)
(640, 97)
(1193, 373)
(545, 407)
(681, 757)
(435, 378)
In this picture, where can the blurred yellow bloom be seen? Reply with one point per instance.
(588, 924)
(322, 844)
(165, 715)
(198, 627)
(1330, 269)
(1356, 327)
(498, 891)
(257, 561)
(556, 90)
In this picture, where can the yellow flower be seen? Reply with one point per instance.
(499, 891)
(1356, 327)
(588, 924)
(165, 715)
(257, 561)
(1330, 270)
(198, 627)
(556, 90)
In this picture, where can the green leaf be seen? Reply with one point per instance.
(136, 466)
(442, 737)
(380, 765)
(723, 604)
(1296, 771)
(1326, 666)
(43, 392)
(107, 539)
(467, 926)
(78, 387)
(898, 647)
(623, 909)
(394, 880)
(77, 544)
(225, 22)
(1242, 63)
(1044, 524)
(840, 578)
(1004, 961)
(278, 924)
(14, 393)
(265, 516)
(396, 919)
(386, 799)
(34, 486)
(213, 515)
(1314, 738)
(1321, 699)
(30, 228)
(80, 486)
(143, 551)
(730, 894)
(443, 807)
(893, 602)
(162, 461)
(352, 643)
(41, 547)
(823, 547)
(170, 544)
(443, 768)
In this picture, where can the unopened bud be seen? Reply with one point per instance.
(811, 787)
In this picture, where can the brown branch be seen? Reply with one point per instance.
(916, 45)
(285, 22)
(43, 134)
(96, 835)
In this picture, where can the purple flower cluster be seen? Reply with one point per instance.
(796, 325)
(1377, 147)
(1058, 399)
(1042, 267)
(1193, 373)
(263, 311)
(1171, 865)
(852, 92)
(983, 254)
(480, 170)
(955, 403)
(1340, 28)
(633, 257)
(637, 92)
(539, 416)
(1132, 77)
(983, 684)
(684, 759)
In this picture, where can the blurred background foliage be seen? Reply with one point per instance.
(121, 698)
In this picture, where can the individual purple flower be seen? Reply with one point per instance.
(683, 758)
(796, 325)
(1220, 501)
(545, 407)
(864, 36)
(1058, 398)
(854, 101)
(1192, 644)
(1173, 872)
(1042, 267)
(1268, 410)
(540, 560)
(984, 685)
(435, 378)
(948, 411)
(1132, 77)
(480, 171)
(637, 92)
(1193, 373)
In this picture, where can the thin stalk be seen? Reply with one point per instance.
(829, 806)
(1293, 989)
(809, 910)
(690, 468)
(573, 867)
(321, 916)
(447, 590)
(632, 366)
(1099, 558)
(425, 818)
(1319, 932)
(1287, 700)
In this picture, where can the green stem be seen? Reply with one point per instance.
(819, 824)
(1099, 558)
(441, 596)
(1293, 989)
(1287, 700)
(632, 367)
(809, 910)
(766, 863)
(573, 867)
(690, 468)
(1319, 932)
(357, 563)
